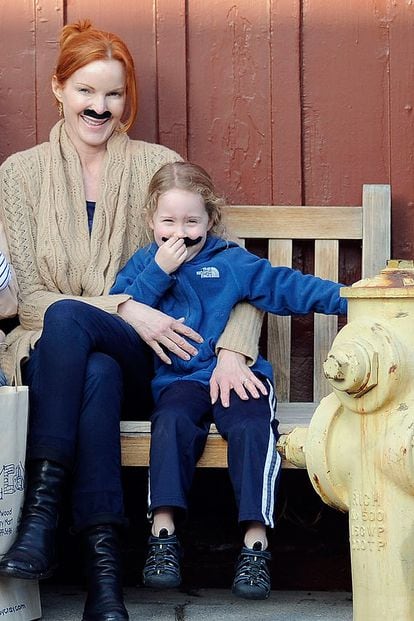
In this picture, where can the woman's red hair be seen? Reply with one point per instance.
(81, 44)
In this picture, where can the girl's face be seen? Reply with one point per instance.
(181, 214)
(93, 101)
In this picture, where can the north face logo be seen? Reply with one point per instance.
(208, 272)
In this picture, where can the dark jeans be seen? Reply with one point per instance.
(87, 368)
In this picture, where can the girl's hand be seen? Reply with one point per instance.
(160, 331)
(171, 254)
(232, 372)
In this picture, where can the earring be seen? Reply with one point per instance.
(60, 109)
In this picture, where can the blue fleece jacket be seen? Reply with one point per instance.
(204, 291)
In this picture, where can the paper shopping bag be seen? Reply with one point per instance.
(19, 599)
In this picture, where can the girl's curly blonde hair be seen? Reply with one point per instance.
(189, 177)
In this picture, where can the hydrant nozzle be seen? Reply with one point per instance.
(352, 367)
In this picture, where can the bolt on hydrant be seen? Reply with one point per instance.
(359, 445)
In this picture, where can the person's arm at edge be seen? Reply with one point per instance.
(237, 350)
(242, 332)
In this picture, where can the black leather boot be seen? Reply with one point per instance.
(105, 601)
(33, 555)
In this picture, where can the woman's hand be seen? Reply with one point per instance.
(160, 331)
(232, 372)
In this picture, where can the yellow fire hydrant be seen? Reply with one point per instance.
(359, 445)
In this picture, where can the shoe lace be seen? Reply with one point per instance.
(162, 557)
(253, 569)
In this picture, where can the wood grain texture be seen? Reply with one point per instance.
(376, 226)
(49, 19)
(281, 222)
(325, 326)
(136, 438)
(399, 26)
(172, 74)
(17, 77)
(286, 104)
(345, 98)
(229, 96)
(279, 329)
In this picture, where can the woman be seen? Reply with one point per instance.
(71, 209)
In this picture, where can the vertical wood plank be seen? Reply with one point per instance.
(345, 99)
(400, 25)
(286, 138)
(172, 74)
(376, 226)
(325, 326)
(49, 21)
(279, 327)
(134, 22)
(229, 96)
(17, 72)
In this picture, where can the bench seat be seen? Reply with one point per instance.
(135, 437)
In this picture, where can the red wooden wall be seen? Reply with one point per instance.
(283, 101)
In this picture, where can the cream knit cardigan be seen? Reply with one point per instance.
(43, 207)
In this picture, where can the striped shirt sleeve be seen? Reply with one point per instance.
(5, 274)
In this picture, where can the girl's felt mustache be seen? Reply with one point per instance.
(187, 240)
(95, 115)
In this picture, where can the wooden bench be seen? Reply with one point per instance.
(280, 226)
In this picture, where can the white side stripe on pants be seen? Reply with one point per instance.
(271, 467)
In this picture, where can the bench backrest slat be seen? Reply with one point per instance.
(279, 329)
(325, 326)
(376, 238)
(281, 222)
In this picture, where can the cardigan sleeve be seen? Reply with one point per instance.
(33, 307)
(16, 197)
(242, 332)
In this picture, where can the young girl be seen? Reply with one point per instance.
(190, 272)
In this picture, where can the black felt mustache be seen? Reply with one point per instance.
(95, 115)
(187, 240)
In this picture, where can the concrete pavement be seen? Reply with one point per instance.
(65, 603)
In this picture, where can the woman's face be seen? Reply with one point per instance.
(93, 101)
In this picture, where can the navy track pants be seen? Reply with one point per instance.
(179, 429)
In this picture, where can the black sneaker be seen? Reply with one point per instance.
(162, 567)
(252, 579)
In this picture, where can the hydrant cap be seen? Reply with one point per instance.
(394, 281)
